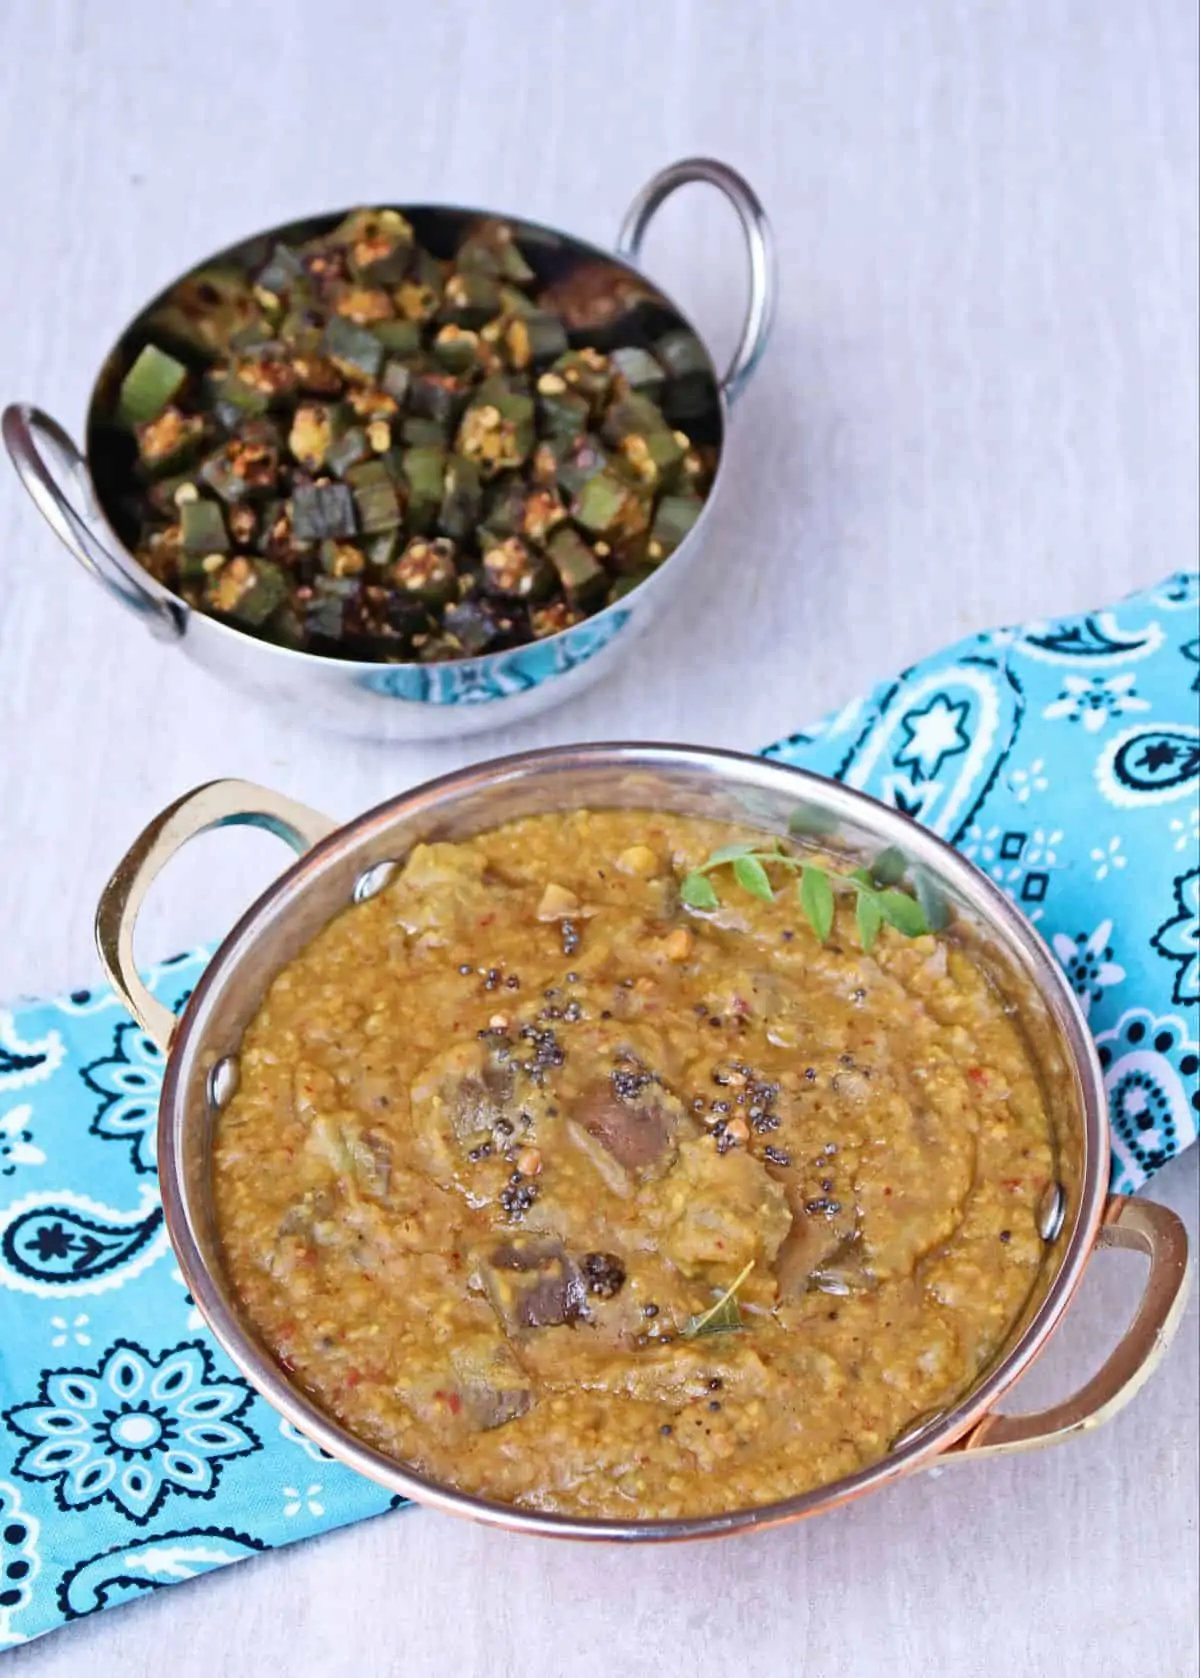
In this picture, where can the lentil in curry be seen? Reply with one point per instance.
(508, 1132)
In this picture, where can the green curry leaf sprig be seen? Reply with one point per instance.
(878, 902)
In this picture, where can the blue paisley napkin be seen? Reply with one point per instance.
(1064, 757)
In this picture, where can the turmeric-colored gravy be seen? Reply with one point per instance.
(506, 1132)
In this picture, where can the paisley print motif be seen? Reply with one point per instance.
(129, 1570)
(1150, 1072)
(20, 1563)
(54, 1245)
(1151, 764)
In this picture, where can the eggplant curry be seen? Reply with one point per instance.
(604, 1164)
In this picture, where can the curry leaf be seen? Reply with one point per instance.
(698, 893)
(816, 900)
(750, 874)
(888, 867)
(903, 912)
(869, 917)
(721, 1317)
(728, 853)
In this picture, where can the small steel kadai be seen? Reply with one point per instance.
(585, 297)
(339, 865)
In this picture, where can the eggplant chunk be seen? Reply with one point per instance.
(533, 1282)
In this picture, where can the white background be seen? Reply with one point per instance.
(980, 405)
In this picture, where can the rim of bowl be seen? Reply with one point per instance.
(1018, 936)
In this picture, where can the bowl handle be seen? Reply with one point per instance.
(1144, 1227)
(26, 428)
(217, 804)
(760, 249)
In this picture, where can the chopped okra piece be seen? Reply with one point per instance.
(458, 349)
(321, 510)
(170, 441)
(470, 299)
(533, 339)
(381, 550)
(354, 350)
(427, 570)
(672, 523)
(328, 607)
(160, 495)
(311, 436)
(398, 337)
(348, 450)
(417, 433)
(474, 625)
(155, 379)
(283, 274)
(364, 305)
(504, 513)
(562, 412)
(514, 571)
(607, 507)
(396, 380)
(689, 388)
(341, 559)
(437, 396)
(588, 372)
(490, 247)
(638, 370)
(583, 460)
(582, 576)
(632, 415)
(424, 473)
(316, 375)
(497, 429)
(462, 499)
(249, 590)
(203, 527)
(207, 309)
(379, 244)
(375, 497)
(654, 460)
(248, 465)
(543, 512)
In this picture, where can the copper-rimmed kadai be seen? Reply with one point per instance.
(80, 494)
(339, 865)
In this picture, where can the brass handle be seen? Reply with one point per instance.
(33, 440)
(1144, 1227)
(217, 804)
(760, 251)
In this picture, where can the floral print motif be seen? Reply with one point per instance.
(1108, 858)
(17, 1146)
(1178, 939)
(129, 1081)
(1026, 782)
(75, 1330)
(1095, 700)
(1089, 963)
(295, 1501)
(133, 1430)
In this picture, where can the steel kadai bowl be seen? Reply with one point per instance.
(78, 493)
(339, 865)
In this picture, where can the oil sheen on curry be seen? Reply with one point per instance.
(509, 1131)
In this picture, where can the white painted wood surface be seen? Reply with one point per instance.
(980, 405)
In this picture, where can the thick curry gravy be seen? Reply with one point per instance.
(506, 1131)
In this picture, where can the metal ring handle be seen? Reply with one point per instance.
(24, 428)
(760, 249)
(1141, 1226)
(217, 804)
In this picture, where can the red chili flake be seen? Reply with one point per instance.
(286, 1363)
(353, 1377)
(977, 1075)
(1012, 1184)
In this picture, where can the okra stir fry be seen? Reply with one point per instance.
(359, 449)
